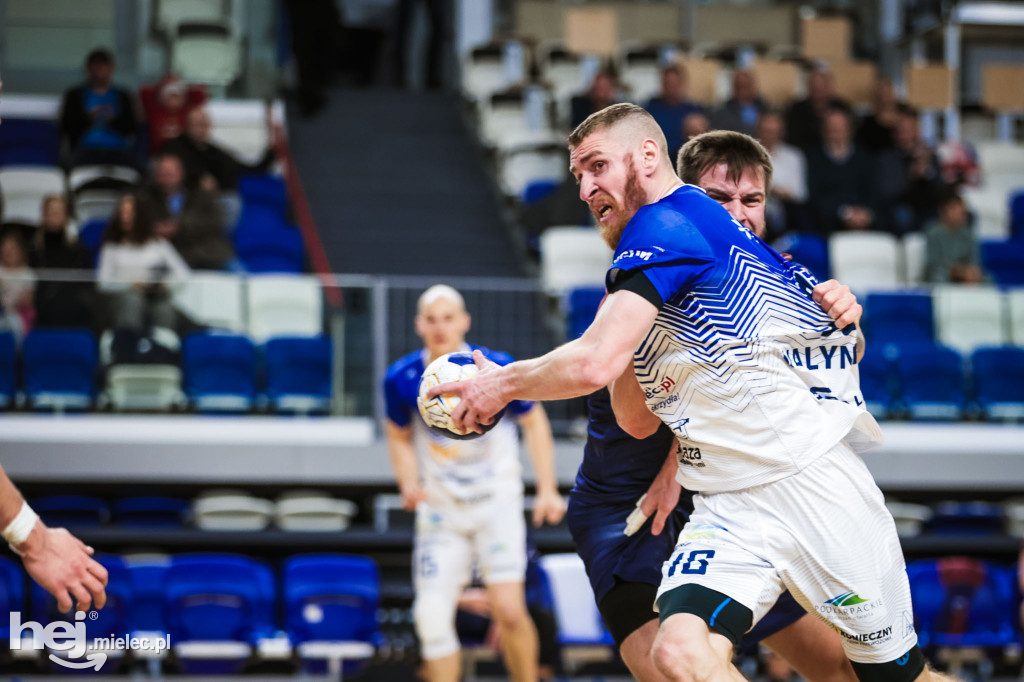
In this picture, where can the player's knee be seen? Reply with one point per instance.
(434, 617)
(510, 614)
(682, 652)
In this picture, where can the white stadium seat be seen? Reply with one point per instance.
(967, 317)
(214, 299)
(520, 168)
(865, 261)
(572, 257)
(1015, 298)
(284, 305)
(23, 189)
(581, 632)
(998, 158)
(303, 510)
(208, 58)
(482, 78)
(80, 175)
(231, 510)
(96, 203)
(915, 246)
(643, 82)
(144, 387)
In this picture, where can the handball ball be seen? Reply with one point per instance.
(437, 411)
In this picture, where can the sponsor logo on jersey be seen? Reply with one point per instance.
(634, 253)
(876, 637)
(697, 532)
(665, 386)
(821, 357)
(847, 599)
(672, 399)
(689, 456)
(848, 604)
(908, 624)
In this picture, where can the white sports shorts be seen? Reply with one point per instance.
(454, 538)
(824, 534)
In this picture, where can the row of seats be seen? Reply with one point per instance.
(219, 610)
(222, 373)
(928, 382)
(229, 510)
(958, 518)
(963, 318)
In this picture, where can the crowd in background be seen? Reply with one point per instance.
(834, 169)
(179, 217)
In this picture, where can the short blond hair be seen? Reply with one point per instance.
(617, 114)
(436, 292)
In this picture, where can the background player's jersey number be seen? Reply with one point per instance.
(696, 562)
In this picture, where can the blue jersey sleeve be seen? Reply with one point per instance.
(516, 407)
(398, 409)
(667, 247)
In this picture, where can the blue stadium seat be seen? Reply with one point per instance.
(962, 604)
(1004, 261)
(535, 191)
(264, 190)
(966, 518)
(1017, 215)
(583, 305)
(220, 372)
(215, 605)
(90, 235)
(877, 381)
(8, 370)
(29, 142)
(998, 380)
(298, 372)
(71, 510)
(12, 593)
(150, 512)
(113, 620)
(148, 581)
(59, 369)
(899, 318)
(265, 243)
(808, 250)
(331, 605)
(931, 382)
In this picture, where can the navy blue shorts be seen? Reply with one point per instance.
(611, 557)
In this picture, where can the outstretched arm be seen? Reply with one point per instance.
(548, 505)
(575, 369)
(57, 560)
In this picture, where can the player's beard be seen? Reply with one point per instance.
(634, 198)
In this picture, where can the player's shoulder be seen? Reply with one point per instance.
(406, 368)
(496, 356)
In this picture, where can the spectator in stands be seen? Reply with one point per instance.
(909, 180)
(17, 285)
(804, 118)
(189, 218)
(135, 269)
(695, 123)
(877, 129)
(741, 111)
(98, 121)
(61, 303)
(786, 205)
(210, 167)
(603, 93)
(167, 105)
(952, 254)
(438, 44)
(672, 106)
(840, 178)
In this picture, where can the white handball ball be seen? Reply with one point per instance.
(437, 411)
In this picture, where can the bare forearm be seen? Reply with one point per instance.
(402, 455)
(10, 500)
(572, 370)
(630, 406)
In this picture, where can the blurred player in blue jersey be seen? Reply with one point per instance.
(625, 570)
(468, 499)
(710, 331)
